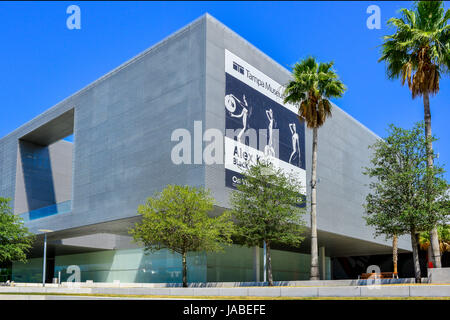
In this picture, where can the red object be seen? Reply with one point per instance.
(430, 264)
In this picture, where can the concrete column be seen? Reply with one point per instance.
(256, 263)
(322, 263)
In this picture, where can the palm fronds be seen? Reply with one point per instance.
(419, 51)
(312, 87)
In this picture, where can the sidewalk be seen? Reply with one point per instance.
(401, 290)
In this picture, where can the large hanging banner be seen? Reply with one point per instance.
(258, 124)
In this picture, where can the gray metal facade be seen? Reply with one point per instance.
(122, 125)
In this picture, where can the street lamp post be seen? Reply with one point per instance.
(265, 261)
(44, 265)
(45, 260)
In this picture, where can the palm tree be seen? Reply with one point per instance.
(419, 53)
(444, 239)
(312, 86)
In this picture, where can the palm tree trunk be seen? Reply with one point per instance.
(415, 256)
(435, 250)
(434, 238)
(184, 270)
(395, 252)
(269, 264)
(314, 245)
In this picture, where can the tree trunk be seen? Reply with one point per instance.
(435, 248)
(395, 252)
(434, 238)
(415, 256)
(184, 270)
(269, 264)
(314, 245)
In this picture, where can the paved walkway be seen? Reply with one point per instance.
(405, 290)
(67, 297)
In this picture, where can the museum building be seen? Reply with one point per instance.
(83, 192)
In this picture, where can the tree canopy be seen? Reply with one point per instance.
(312, 86)
(419, 50)
(177, 219)
(268, 206)
(15, 240)
(405, 193)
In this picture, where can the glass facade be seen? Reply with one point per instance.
(31, 271)
(235, 264)
(5, 272)
(133, 266)
(62, 207)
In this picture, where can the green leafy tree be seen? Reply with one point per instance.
(382, 213)
(312, 87)
(419, 53)
(267, 208)
(15, 240)
(177, 219)
(399, 201)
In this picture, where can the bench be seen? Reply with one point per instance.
(381, 275)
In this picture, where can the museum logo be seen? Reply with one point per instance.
(238, 68)
(250, 76)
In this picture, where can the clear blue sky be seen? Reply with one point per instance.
(42, 62)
